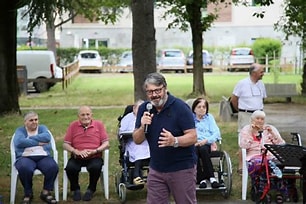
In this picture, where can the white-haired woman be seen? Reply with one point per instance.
(252, 137)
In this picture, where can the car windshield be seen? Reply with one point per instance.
(241, 52)
(172, 54)
(127, 55)
(88, 55)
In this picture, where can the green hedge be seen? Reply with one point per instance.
(267, 46)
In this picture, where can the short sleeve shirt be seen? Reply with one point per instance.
(86, 138)
(176, 117)
(250, 95)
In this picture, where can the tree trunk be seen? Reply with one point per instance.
(9, 88)
(51, 41)
(194, 9)
(143, 44)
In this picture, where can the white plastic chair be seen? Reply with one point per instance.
(14, 172)
(104, 174)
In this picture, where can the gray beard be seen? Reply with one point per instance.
(161, 102)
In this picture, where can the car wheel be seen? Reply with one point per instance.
(41, 86)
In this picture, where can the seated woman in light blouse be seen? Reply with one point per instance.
(137, 153)
(207, 133)
(252, 137)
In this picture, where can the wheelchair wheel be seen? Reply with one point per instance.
(122, 192)
(225, 175)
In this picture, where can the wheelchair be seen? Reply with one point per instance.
(287, 160)
(222, 165)
(124, 178)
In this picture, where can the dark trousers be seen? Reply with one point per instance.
(205, 168)
(73, 169)
(137, 169)
(26, 167)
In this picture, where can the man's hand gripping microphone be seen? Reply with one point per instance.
(149, 108)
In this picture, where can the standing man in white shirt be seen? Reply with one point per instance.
(248, 96)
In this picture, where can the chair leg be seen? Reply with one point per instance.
(65, 185)
(105, 184)
(244, 175)
(56, 190)
(14, 178)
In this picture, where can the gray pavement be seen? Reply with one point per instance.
(287, 117)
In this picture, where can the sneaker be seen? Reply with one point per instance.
(279, 199)
(215, 184)
(77, 195)
(88, 195)
(202, 184)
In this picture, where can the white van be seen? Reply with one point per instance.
(40, 64)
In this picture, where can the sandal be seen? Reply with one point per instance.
(138, 181)
(48, 198)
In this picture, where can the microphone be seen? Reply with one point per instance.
(149, 108)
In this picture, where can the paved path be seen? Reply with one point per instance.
(287, 117)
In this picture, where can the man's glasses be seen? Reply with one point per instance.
(156, 91)
(34, 119)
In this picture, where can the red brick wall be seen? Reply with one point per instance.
(224, 11)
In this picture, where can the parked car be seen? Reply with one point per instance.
(207, 60)
(90, 60)
(240, 59)
(171, 60)
(40, 64)
(125, 63)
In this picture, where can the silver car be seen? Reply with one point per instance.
(90, 60)
(240, 59)
(126, 62)
(171, 60)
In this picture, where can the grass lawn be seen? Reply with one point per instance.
(114, 92)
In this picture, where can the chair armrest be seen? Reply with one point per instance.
(65, 157)
(106, 157)
(55, 155)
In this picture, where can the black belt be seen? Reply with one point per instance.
(248, 111)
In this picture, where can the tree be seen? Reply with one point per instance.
(41, 11)
(293, 23)
(48, 11)
(143, 43)
(9, 89)
(191, 11)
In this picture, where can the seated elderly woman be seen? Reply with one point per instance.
(207, 133)
(137, 153)
(252, 137)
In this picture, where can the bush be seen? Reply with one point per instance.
(267, 46)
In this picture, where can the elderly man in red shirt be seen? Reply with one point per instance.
(85, 138)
